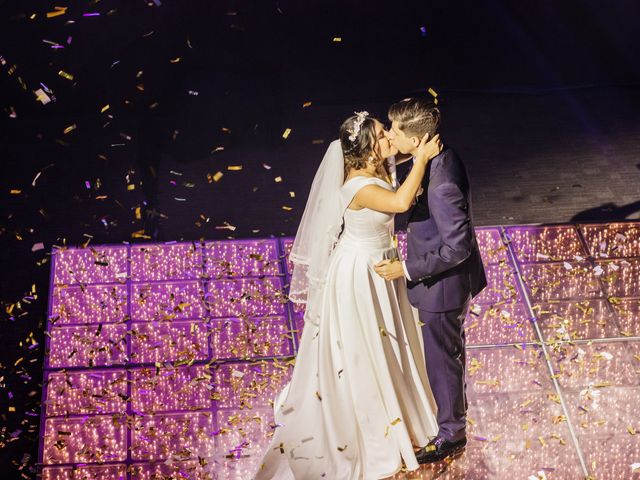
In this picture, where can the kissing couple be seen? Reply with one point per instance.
(379, 379)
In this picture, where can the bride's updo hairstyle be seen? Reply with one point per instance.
(358, 139)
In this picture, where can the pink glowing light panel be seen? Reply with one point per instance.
(164, 359)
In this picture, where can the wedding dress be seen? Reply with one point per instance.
(359, 397)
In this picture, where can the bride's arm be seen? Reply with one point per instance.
(383, 200)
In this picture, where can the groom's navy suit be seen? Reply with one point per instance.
(445, 270)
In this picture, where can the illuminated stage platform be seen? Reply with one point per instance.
(162, 359)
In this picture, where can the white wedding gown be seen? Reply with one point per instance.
(359, 396)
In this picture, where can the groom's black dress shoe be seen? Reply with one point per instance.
(439, 449)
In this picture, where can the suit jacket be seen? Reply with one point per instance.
(443, 259)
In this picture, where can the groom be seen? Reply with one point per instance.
(443, 270)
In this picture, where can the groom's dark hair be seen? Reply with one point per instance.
(416, 116)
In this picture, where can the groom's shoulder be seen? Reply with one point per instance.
(450, 162)
(450, 154)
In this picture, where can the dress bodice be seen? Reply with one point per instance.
(365, 228)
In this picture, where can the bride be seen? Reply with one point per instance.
(359, 400)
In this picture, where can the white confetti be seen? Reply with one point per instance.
(33, 183)
(620, 237)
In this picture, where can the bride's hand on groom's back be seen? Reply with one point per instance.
(429, 149)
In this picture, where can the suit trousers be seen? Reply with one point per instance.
(444, 347)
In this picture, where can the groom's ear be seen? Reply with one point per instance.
(415, 141)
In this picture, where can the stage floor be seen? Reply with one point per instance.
(158, 354)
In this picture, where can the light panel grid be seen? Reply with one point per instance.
(164, 359)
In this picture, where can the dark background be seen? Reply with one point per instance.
(540, 99)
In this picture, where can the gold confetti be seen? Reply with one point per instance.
(559, 419)
(286, 208)
(561, 440)
(105, 108)
(337, 39)
(140, 234)
(553, 397)
(396, 421)
(432, 92)
(58, 11)
(286, 133)
(493, 383)
(66, 75)
(234, 168)
(70, 128)
(217, 176)
(306, 104)
(175, 60)
(278, 179)
(474, 366)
